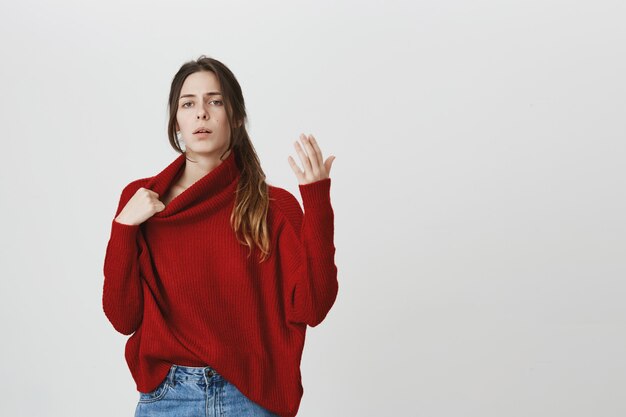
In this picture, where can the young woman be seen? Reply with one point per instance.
(215, 273)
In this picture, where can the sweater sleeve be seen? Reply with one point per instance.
(122, 294)
(307, 248)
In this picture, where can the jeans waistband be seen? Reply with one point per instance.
(180, 373)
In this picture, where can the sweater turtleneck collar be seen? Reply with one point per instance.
(212, 189)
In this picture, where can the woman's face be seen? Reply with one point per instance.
(201, 105)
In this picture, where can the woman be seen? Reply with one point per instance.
(215, 273)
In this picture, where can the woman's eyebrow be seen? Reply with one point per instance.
(211, 93)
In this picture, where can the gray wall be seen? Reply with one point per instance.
(478, 189)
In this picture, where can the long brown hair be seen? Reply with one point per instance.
(249, 215)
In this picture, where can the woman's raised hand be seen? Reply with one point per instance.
(315, 168)
(141, 206)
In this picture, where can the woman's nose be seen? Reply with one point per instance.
(202, 113)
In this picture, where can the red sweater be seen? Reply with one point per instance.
(185, 289)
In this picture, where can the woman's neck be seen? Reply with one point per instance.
(195, 170)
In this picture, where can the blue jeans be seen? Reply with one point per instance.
(189, 391)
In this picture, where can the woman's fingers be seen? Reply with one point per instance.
(317, 149)
(304, 158)
(296, 169)
(328, 164)
(310, 154)
(314, 154)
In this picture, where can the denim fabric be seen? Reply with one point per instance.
(189, 391)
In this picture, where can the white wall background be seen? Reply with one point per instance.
(479, 192)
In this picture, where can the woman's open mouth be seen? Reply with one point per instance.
(202, 131)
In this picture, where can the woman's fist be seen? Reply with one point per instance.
(141, 206)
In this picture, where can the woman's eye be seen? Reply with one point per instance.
(219, 103)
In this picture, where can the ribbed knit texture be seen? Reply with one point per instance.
(186, 290)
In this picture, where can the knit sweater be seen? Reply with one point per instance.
(189, 294)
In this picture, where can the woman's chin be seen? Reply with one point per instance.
(207, 150)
